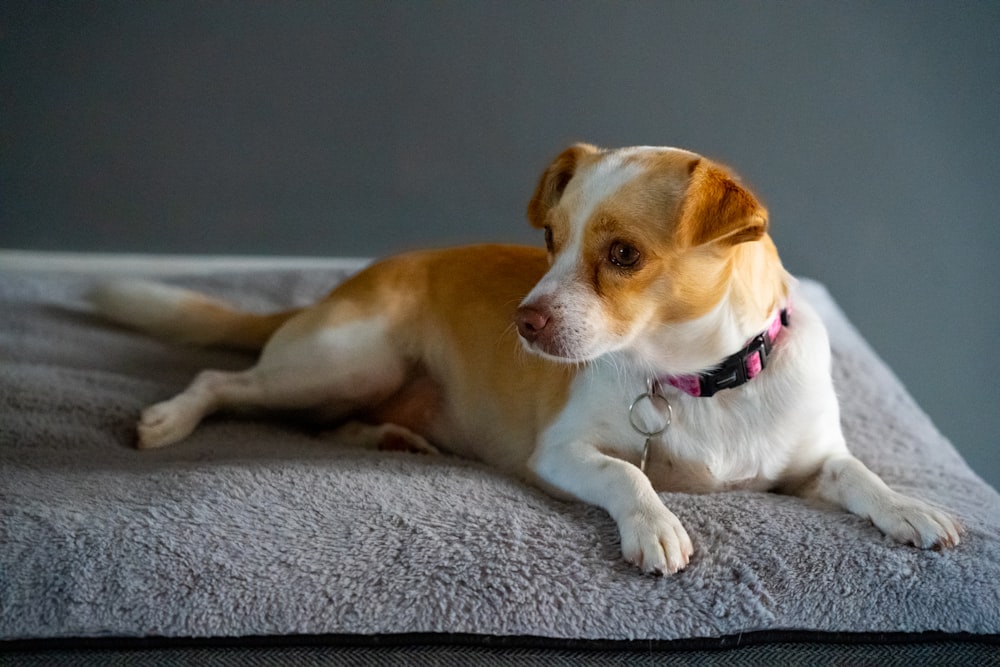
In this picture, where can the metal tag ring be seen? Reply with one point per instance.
(660, 404)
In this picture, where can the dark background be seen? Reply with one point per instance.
(871, 131)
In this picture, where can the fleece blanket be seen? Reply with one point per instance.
(260, 526)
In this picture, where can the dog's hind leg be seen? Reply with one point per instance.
(170, 421)
(336, 367)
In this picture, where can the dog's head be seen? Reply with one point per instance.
(655, 251)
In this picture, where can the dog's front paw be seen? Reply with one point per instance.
(654, 540)
(912, 521)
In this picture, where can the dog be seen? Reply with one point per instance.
(655, 344)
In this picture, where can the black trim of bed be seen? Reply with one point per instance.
(742, 640)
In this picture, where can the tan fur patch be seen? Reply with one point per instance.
(451, 315)
(687, 216)
(718, 208)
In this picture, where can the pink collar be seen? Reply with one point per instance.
(736, 369)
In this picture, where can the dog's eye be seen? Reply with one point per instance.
(623, 255)
(549, 244)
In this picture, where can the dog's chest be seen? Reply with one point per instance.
(748, 438)
(673, 472)
(710, 444)
(722, 443)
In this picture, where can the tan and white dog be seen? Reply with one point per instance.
(658, 345)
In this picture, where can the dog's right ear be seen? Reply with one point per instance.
(554, 181)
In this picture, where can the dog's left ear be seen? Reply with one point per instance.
(554, 181)
(717, 209)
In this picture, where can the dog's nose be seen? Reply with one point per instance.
(530, 322)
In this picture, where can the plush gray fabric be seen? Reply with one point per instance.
(258, 526)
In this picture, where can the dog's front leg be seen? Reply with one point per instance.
(845, 481)
(652, 538)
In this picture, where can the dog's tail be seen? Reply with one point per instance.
(182, 315)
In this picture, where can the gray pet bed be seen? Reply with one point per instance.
(258, 527)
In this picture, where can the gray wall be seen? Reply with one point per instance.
(871, 130)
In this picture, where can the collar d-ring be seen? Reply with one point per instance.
(659, 403)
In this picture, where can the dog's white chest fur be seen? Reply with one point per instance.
(705, 448)
(743, 438)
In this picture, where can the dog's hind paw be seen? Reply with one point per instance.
(164, 424)
(384, 437)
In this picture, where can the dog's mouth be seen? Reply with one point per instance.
(558, 354)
